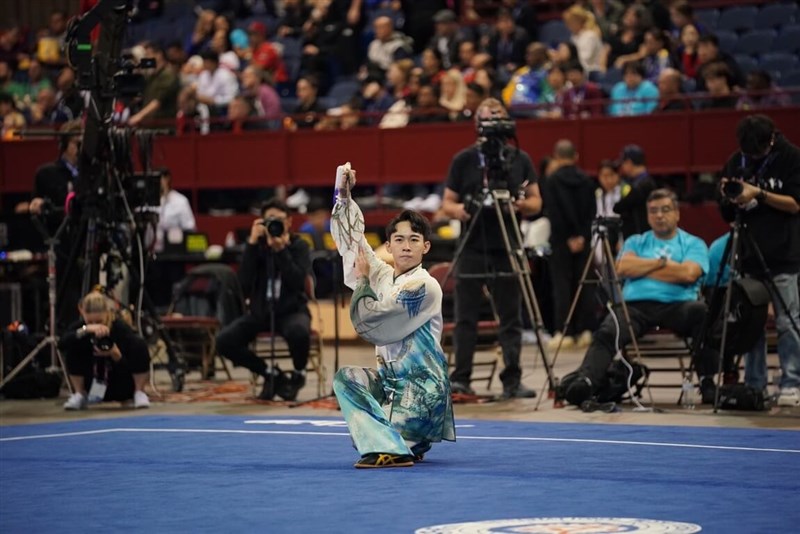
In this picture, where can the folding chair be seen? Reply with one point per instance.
(660, 349)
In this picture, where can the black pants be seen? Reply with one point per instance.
(234, 340)
(507, 298)
(683, 318)
(566, 269)
(117, 375)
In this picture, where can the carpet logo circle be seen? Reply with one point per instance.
(564, 525)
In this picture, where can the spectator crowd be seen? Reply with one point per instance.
(337, 64)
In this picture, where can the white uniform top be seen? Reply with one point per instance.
(389, 309)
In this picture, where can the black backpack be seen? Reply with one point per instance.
(748, 316)
(614, 387)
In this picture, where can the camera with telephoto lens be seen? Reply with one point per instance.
(732, 189)
(103, 343)
(497, 129)
(274, 226)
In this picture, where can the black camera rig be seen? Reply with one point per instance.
(497, 153)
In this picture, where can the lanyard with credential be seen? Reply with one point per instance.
(761, 168)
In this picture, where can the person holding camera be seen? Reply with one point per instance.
(662, 269)
(105, 354)
(273, 274)
(760, 186)
(468, 187)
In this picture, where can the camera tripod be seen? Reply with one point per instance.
(730, 257)
(502, 203)
(51, 339)
(611, 285)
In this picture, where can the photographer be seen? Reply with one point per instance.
(104, 352)
(474, 172)
(761, 184)
(273, 275)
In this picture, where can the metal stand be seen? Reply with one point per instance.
(502, 202)
(614, 290)
(338, 299)
(730, 257)
(56, 361)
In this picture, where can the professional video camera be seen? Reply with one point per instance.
(498, 154)
(110, 72)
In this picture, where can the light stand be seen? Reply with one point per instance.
(338, 299)
(271, 373)
(56, 361)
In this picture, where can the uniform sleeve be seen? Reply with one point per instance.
(398, 314)
(347, 230)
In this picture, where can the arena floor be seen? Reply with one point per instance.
(213, 459)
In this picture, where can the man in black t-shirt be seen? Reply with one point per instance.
(471, 175)
(762, 182)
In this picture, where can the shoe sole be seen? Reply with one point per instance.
(788, 404)
(384, 466)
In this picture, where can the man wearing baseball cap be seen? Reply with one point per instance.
(264, 54)
(633, 207)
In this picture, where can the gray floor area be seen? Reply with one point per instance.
(667, 412)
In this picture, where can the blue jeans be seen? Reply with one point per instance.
(755, 366)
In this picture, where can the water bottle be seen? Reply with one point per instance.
(687, 392)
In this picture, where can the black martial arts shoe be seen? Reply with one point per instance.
(290, 385)
(382, 459)
(420, 449)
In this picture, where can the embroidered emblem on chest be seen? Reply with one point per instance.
(411, 299)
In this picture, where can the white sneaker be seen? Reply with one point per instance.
(584, 340)
(140, 400)
(298, 199)
(789, 397)
(557, 338)
(431, 203)
(528, 337)
(413, 204)
(76, 401)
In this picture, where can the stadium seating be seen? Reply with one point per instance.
(738, 18)
(775, 15)
(755, 42)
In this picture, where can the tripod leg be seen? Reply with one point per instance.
(521, 269)
(21, 365)
(617, 287)
(568, 320)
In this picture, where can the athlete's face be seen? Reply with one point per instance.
(406, 247)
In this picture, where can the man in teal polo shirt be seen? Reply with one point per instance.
(662, 270)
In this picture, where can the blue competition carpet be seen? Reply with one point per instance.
(240, 474)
